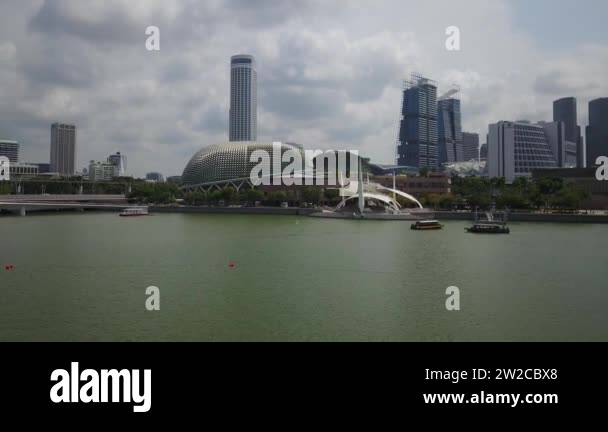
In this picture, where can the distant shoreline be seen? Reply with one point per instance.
(307, 211)
(441, 215)
(528, 217)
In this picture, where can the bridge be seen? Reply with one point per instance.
(22, 204)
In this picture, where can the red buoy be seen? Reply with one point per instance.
(231, 264)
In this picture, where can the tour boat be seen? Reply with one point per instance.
(134, 211)
(426, 225)
(489, 228)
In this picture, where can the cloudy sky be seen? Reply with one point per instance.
(329, 71)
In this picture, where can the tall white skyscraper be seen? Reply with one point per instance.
(243, 99)
(63, 148)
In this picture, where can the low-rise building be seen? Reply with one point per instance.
(100, 171)
(434, 183)
(23, 170)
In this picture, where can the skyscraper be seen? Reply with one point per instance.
(516, 148)
(597, 131)
(243, 99)
(483, 152)
(119, 161)
(564, 151)
(417, 142)
(449, 127)
(63, 148)
(564, 110)
(10, 149)
(470, 146)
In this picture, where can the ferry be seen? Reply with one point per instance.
(426, 225)
(489, 226)
(134, 211)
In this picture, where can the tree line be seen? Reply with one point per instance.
(523, 194)
(467, 193)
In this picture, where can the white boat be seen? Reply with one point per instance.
(134, 211)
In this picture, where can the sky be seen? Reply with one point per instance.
(329, 71)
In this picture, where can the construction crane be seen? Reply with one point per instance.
(455, 89)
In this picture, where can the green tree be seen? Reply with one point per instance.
(229, 194)
(277, 197)
(254, 195)
(312, 194)
(446, 201)
(5, 188)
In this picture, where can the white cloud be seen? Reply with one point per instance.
(329, 73)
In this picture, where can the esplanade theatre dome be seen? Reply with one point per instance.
(226, 162)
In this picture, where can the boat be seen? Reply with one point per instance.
(134, 211)
(489, 228)
(424, 225)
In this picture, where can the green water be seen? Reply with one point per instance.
(82, 277)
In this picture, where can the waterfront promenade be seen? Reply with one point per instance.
(22, 204)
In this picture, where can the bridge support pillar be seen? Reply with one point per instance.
(22, 211)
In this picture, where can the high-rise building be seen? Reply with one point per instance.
(470, 146)
(483, 152)
(564, 151)
(516, 148)
(63, 148)
(597, 131)
(449, 126)
(243, 99)
(10, 149)
(155, 177)
(119, 161)
(417, 141)
(564, 110)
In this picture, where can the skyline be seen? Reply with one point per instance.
(326, 86)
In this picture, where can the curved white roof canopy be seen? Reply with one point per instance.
(368, 195)
(400, 193)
